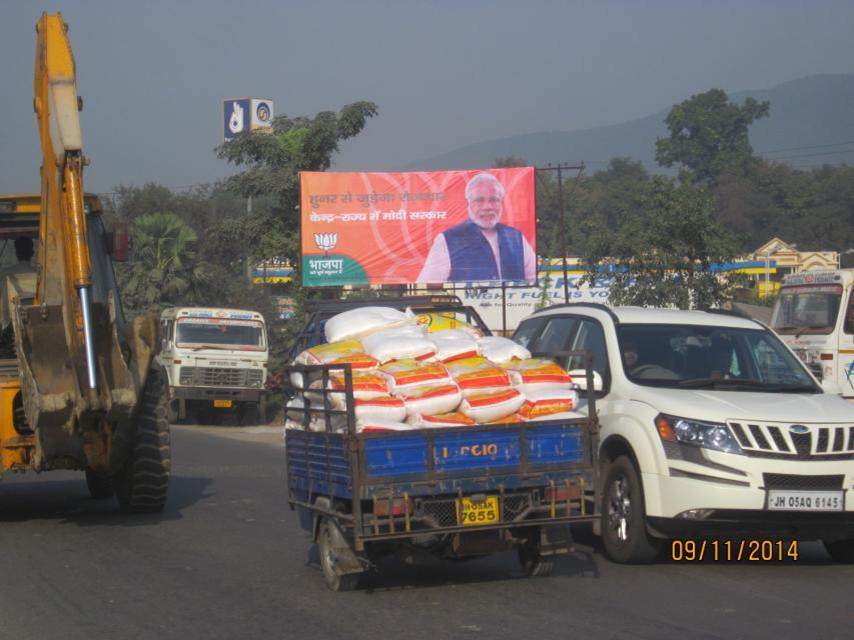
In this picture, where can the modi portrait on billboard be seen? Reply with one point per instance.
(418, 227)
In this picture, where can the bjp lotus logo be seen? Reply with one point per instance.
(325, 241)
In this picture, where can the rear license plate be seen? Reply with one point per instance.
(222, 404)
(474, 514)
(805, 500)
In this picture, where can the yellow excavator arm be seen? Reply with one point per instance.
(64, 267)
(81, 392)
(81, 369)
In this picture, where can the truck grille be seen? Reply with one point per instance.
(784, 441)
(220, 377)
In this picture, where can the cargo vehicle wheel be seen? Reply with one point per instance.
(142, 482)
(249, 414)
(329, 560)
(533, 564)
(624, 533)
(841, 551)
(100, 488)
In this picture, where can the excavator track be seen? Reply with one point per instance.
(142, 483)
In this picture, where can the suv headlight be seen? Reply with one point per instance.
(709, 435)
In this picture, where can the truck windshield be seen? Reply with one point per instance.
(807, 309)
(704, 357)
(244, 335)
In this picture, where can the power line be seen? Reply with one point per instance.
(814, 146)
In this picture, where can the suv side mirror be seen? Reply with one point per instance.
(579, 377)
(118, 242)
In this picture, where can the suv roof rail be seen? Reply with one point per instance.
(592, 305)
(736, 313)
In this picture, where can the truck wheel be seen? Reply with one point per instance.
(533, 564)
(100, 488)
(624, 533)
(249, 414)
(142, 482)
(172, 411)
(842, 551)
(328, 561)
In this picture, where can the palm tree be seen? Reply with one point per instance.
(164, 267)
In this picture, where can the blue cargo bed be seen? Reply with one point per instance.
(436, 461)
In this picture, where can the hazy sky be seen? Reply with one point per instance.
(444, 73)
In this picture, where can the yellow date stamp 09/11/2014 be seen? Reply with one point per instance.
(746, 550)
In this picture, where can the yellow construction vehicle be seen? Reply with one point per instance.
(77, 388)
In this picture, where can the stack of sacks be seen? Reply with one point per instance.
(492, 406)
(342, 352)
(399, 343)
(365, 321)
(455, 419)
(547, 388)
(478, 375)
(454, 344)
(536, 374)
(501, 350)
(406, 377)
(549, 404)
(409, 373)
(373, 425)
(370, 393)
(425, 387)
(431, 400)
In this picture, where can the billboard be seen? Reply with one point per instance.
(418, 227)
(246, 114)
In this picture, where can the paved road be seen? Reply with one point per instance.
(227, 560)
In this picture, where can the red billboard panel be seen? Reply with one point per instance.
(429, 227)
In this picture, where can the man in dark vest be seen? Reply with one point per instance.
(481, 248)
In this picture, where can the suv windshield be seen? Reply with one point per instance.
(246, 335)
(807, 309)
(724, 358)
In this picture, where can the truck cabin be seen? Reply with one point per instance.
(196, 329)
(815, 303)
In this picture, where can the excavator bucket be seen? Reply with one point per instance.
(59, 407)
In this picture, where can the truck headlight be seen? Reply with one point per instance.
(709, 435)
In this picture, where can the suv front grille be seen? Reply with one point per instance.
(220, 377)
(777, 440)
(802, 483)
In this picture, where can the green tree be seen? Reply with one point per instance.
(663, 256)
(708, 135)
(164, 268)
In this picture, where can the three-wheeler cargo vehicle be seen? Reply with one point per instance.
(455, 493)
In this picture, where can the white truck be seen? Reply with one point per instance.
(709, 425)
(814, 315)
(215, 361)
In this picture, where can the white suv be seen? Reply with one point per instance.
(709, 425)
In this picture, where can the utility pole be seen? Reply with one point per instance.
(560, 168)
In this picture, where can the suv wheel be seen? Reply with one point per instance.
(841, 551)
(624, 533)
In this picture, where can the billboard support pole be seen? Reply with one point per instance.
(560, 167)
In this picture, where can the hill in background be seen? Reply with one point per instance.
(809, 119)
